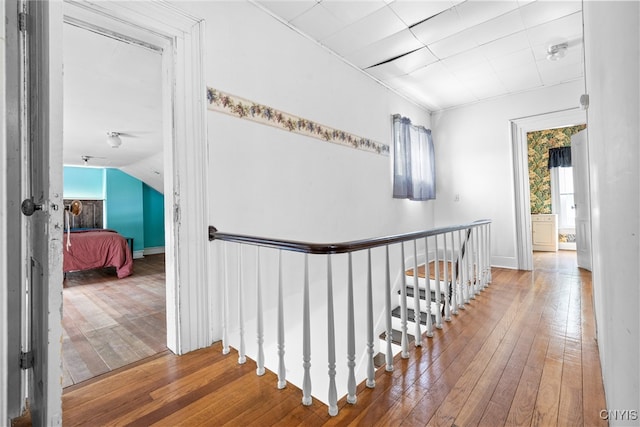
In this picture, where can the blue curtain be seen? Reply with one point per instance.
(414, 171)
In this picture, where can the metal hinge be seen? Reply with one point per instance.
(26, 360)
(22, 21)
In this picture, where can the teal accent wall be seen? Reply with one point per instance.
(124, 207)
(84, 183)
(153, 207)
(132, 208)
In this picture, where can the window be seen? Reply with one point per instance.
(414, 172)
(564, 205)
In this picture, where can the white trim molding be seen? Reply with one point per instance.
(519, 129)
(181, 38)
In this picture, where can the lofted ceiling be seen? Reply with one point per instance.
(112, 86)
(443, 54)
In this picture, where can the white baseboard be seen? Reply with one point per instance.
(138, 254)
(504, 262)
(154, 250)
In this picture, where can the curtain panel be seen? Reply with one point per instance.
(560, 157)
(414, 170)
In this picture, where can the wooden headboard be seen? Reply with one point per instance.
(91, 215)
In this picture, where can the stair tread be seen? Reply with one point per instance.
(396, 337)
(411, 317)
(432, 270)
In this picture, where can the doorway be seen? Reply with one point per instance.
(519, 129)
(112, 165)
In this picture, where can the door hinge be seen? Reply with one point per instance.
(22, 21)
(26, 360)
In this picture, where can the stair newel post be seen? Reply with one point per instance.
(225, 303)
(351, 336)
(454, 278)
(241, 351)
(460, 272)
(387, 301)
(438, 290)
(331, 347)
(427, 288)
(416, 298)
(447, 284)
(404, 341)
(306, 337)
(371, 381)
(260, 320)
(282, 382)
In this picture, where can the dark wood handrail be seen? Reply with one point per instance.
(335, 248)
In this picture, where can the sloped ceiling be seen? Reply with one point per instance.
(442, 54)
(112, 86)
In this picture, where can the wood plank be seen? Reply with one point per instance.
(515, 356)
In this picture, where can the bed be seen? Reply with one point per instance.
(97, 248)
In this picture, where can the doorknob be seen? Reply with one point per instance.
(28, 207)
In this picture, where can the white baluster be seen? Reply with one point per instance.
(260, 320)
(470, 260)
(333, 393)
(447, 284)
(404, 341)
(416, 298)
(476, 245)
(306, 338)
(482, 248)
(371, 373)
(427, 288)
(438, 288)
(454, 277)
(489, 249)
(387, 301)
(282, 381)
(225, 304)
(241, 351)
(460, 272)
(351, 337)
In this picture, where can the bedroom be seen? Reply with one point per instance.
(114, 294)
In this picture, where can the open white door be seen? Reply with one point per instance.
(41, 185)
(580, 165)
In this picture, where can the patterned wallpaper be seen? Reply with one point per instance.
(539, 143)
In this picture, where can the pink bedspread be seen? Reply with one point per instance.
(97, 249)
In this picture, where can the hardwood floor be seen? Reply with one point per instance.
(109, 322)
(522, 353)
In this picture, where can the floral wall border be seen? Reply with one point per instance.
(245, 109)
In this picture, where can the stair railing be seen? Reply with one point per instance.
(467, 270)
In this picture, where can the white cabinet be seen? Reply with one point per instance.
(545, 232)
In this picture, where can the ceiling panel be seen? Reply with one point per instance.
(447, 52)
(370, 29)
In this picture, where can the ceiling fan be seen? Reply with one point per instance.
(114, 138)
(86, 158)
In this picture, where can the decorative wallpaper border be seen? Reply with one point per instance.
(245, 109)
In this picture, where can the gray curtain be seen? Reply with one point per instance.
(414, 171)
(560, 157)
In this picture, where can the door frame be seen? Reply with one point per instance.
(519, 128)
(180, 36)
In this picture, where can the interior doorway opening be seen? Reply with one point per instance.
(113, 160)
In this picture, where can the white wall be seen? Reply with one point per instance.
(612, 70)
(269, 182)
(475, 161)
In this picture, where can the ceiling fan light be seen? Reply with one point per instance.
(113, 139)
(557, 51)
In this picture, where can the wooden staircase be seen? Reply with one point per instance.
(396, 313)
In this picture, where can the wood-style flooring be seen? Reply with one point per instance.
(522, 353)
(109, 322)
